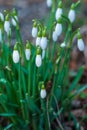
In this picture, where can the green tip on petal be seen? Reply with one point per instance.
(60, 4)
(44, 33)
(39, 33)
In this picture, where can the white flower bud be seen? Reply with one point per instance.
(43, 43)
(34, 32)
(14, 20)
(49, 3)
(38, 40)
(72, 15)
(7, 27)
(63, 45)
(27, 54)
(16, 56)
(43, 54)
(0, 35)
(80, 45)
(43, 93)
(58, 29)
(38, 60)
(54, 36)
(59, 12)
(1, 16)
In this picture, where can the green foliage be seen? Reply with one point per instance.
(20, 83)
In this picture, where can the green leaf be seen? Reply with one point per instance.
(7, 114)
(9, 126)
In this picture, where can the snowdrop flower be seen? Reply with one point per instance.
(43, 43)
(72, 14)
(34, 30)
(7, 26)
(38, 39)
(49, 3)
(54, 36)
(80, 43)
(43, 92)
(28, 51)
(16, 56)
(0, 35)
(63, 45)
(1, 16)
(15, 18)
(43, 54)
(59, 11)
(38, 60)
(58, 28)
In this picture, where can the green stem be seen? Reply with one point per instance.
(29, 78)
(34, 82)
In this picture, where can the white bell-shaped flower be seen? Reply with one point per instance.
(43, 43)
(16, 56)
(58, 29)
(54, 36)
(1, 16)
(38, 40)
(72, 15)
(63, 45)
(43, 93)
(14, 21)
(7, 27)
(80, 44)
(0, 35)
(27, 54)
(38, 60)
(49, 3)
(59, 12)
(43, 54)
(34, 32)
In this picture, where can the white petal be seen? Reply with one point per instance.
(58, 29)
(63, 45)
(38, 40)
(0, 35)
(72, 15)
(34, 32)
(49, 3)
(80, 45)
(54, 36)
(43, 43)
(43, 54)
(2, 16)
(13, 21)
(16, 56)
(27, 54)
(59, 12)
(43, 93)
(7, 27)
(38, 60)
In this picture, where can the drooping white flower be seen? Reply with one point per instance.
(43, 54)
(59, 11)
(1, 16)
(54, 36)
(14, 20)
(63, 45)
(38, 40)
(7, 27)
(16, 56)
(49, 3)
(0, 35)
(34, 32)
(58, 29)
(43, 43)
(38, 60)
(72, 15)
(43, 93)
(27, 54)
(80, 44)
